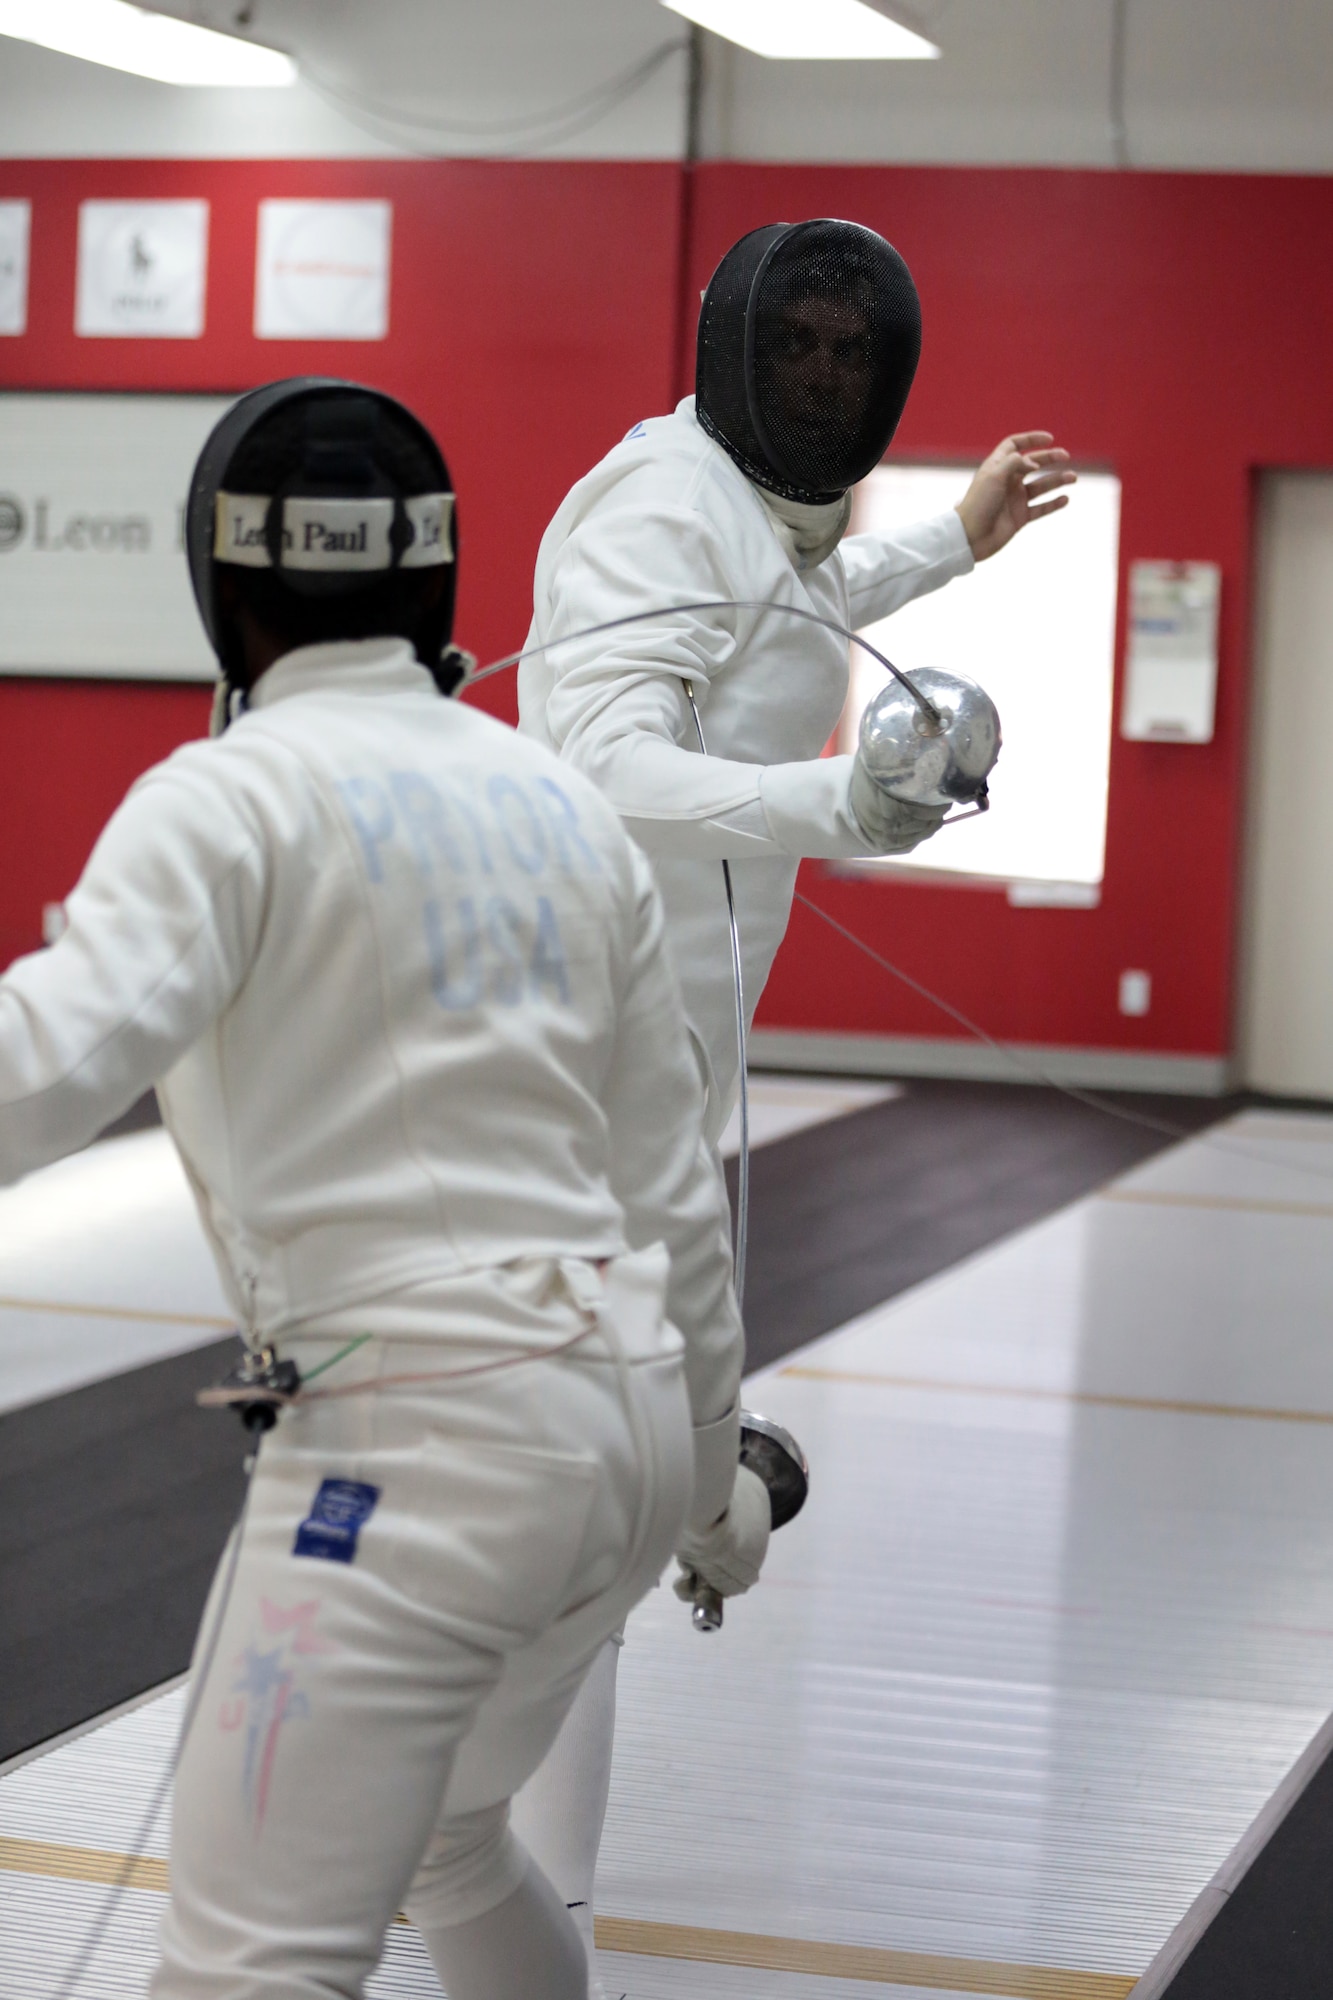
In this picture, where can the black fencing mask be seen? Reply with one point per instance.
(809, 337)
(333, 505)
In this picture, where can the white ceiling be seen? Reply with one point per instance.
(1206, 84)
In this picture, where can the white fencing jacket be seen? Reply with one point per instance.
(401, 979)
(667, 518)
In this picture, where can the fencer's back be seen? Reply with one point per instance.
(431, 930)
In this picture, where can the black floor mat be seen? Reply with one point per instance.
(115, 1499)
(850, 1213)
(1273, 1937)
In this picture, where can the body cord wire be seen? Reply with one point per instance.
(1212, 1138)
(1003, 1049)
(743, 1170)
(927, 706)
(101, 1923)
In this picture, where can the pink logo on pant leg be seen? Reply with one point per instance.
(265, 1692)
(299, 1622)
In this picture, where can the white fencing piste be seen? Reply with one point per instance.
(1008, 1694)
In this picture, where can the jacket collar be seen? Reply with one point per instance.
(808, 535)
(352, 666)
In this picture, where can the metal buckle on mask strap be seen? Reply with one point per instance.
(228, 702)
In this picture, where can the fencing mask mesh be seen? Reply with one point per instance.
(330, 505)
(809, 337)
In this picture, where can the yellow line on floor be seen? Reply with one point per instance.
(1319, 1132)
(683, 1941)
(136, 1313)
(80, 1864)
(1092, 1397)
(1320, 1211)
(856, 1961)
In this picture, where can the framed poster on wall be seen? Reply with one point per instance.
(92, 559)
(15, 229)
(322, 270)
(143, 269)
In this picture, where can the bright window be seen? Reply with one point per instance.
(1035, 625)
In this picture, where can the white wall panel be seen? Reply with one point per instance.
(54, 108)
(1209, 84)
(434, 77)
(1227, 84)
(1287, 982)
(1018, 80)
(1215, 84)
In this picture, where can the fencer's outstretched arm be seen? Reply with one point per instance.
(886, 571)
(615, 706)
(162, 927)
(1017, 483)
(665, 1180)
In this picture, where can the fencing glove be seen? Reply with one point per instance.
(730, 1554)
(892, 826)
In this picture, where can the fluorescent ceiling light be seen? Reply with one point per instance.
(125, 37)
(808, 30)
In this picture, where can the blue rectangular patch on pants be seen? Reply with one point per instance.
(340, 1510)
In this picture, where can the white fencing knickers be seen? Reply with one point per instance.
(426, 1572)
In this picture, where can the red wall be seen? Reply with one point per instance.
(1174, 327)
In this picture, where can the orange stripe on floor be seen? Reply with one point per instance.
(871, 1963)
(140, 1315)
(1095, 1399)
(1237, 1204)
(808, 1956)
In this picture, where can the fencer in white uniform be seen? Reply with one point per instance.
(744, 493)
(809, 337)
(400, 980)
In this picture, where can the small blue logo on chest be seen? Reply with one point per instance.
(640, 430)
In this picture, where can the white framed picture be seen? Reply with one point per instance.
(93, 579)
(143, 269)
(15, 230)
(322, 270)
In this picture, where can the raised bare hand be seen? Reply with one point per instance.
(1009, 488)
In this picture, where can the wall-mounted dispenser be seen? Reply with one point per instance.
(1171, 663)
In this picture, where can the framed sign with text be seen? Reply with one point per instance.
(322, 270)
(92, 561)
